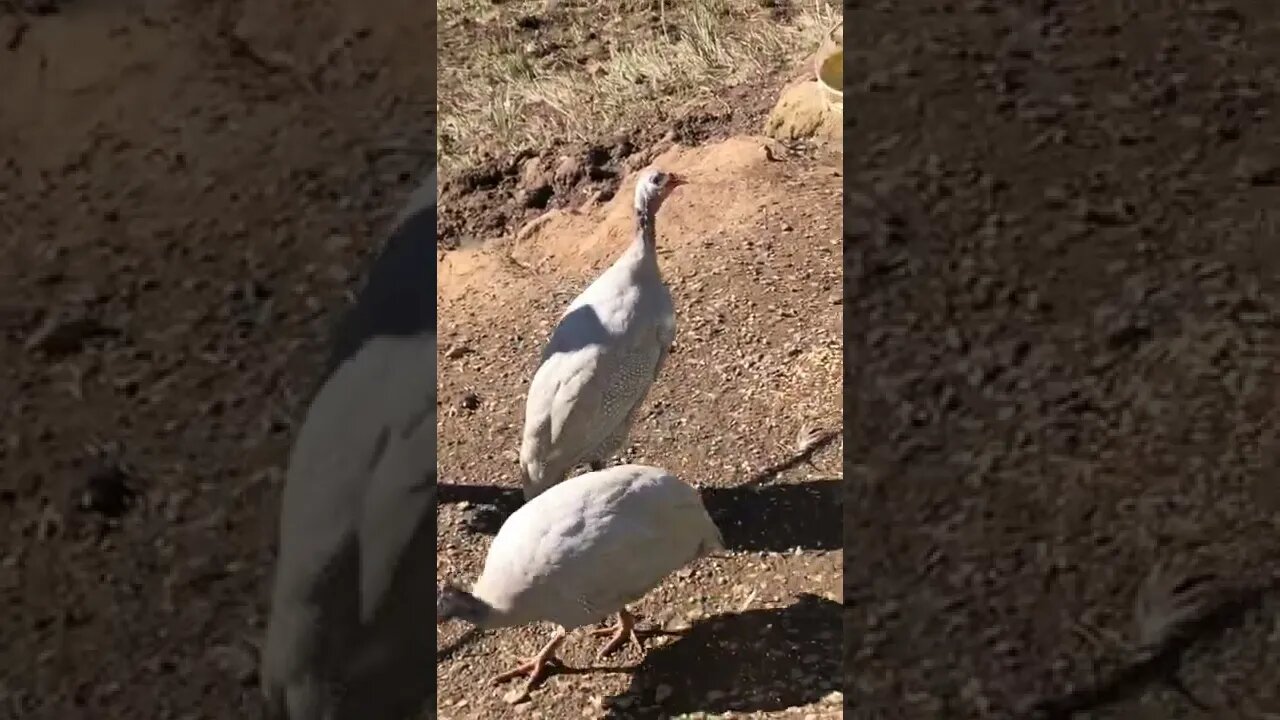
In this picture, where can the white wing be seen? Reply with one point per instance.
(595, 542)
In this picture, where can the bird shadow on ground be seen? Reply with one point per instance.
(754, 661)
(471, 635)
(490, 506)
(752, 517)
(1160, 667)
(777, 518)
(758, 515)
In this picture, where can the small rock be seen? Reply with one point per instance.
(1113, 215)
(235, 661)
(1257, 171)
(63, 335)
(107, 492)
(803, 112)
(531, 172)
(568, 171)
(516, 696)
(470, 401)
(41, 7)
(1055, 196)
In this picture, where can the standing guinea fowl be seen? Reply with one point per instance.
(603, 356)
(582, 550)
(345, 639)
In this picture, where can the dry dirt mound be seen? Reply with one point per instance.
(487, 202)
(805, 110)
(751, 250)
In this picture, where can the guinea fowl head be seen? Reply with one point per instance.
(653, 187)
(453, 603)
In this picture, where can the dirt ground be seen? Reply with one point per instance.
(189, 189)
(1062, 303)
(1062, 322)
(751, 250)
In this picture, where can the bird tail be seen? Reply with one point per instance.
(532, 483)
(713, 541)
(275, 694)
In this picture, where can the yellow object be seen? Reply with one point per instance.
(829, 68)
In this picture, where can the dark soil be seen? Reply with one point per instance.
(498, 197)
(188, 191)
(1063, 307)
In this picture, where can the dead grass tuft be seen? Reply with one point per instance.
(517, 75)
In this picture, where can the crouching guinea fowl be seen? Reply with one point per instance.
(608, 348)
(581, 551)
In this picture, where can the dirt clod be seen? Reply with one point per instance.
(66, 335)
(108, 492)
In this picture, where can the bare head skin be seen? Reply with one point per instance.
(654, 186)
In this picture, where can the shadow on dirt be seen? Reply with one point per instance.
(759, 660)
(778, 518)
(752, 517)
(1162, 667)
(489, 505)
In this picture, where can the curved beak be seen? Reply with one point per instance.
(675, 180)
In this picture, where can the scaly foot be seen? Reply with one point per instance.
(623, 632)
(535, 667)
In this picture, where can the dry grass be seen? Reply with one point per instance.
(583, 72)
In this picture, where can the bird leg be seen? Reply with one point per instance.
(536, 666)
(622, 632)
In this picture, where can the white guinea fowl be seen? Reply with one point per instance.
(581, 551)
(603, 356)
(344, 638)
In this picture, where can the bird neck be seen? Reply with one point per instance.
(466, 606)
(646, 239)
(488, 615)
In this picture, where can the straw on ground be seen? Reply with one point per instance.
(518, 75)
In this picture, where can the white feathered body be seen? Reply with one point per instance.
(596, 371)
(585, 548)
(357, 517)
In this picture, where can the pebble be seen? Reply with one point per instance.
(662, 692)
